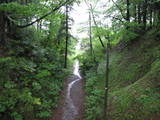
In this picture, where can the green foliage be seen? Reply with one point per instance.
(133, 79)
(4, 60)
(150, 101)
(94, 98)
(16, 116)
(156, 65)
(43, 114)
(19, 10)
(30, 79)
(129, 35)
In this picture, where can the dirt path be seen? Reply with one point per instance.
(71, 104)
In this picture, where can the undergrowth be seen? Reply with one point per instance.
(31, 77)
(134, 84)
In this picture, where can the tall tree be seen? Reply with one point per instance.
(90, 33)
(139, 12)
(145, 13)
(3, 21)
(128, 11)
(67, 37)
(135, 13)
(106, 81)
(95, 23)
(151, 17)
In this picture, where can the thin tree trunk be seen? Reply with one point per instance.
(97, 27)
(135, 14)
(144, 14)
(3, 22)
(90, 38)
(158, 18)
(40, 25)
(90, 34)
(154, 17)
(151, 17)
(128, 11)
(2, 28)
(37, 26)
(67, 38)
(106, 82)
(139, 13)
(151, 13)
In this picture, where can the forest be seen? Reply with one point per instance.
(79, 59)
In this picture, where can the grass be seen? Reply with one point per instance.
(137, 100)
(134, 85)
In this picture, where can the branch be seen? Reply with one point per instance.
(42, 17)
(121, 11)
(115, 18)
(86, 3)
(96, 26)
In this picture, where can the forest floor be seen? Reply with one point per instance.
(67, 110)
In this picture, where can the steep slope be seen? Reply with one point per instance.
(134, 85)
(135, 79)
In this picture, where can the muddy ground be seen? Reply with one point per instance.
(64, 112)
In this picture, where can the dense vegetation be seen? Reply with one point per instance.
(31, 58)
(35, 43)
(134, 62)
(133, 81)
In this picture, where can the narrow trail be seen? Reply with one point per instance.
(72, 98)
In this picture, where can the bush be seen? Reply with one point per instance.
(29, 79)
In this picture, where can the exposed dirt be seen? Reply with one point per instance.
(155, 117)
(64, 112)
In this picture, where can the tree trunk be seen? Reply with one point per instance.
(128, 11)
(144, 14)
(158, 18)
(154, 17)
(106, 82)
(3, 26)
(139, 13)
(135, 14)
(90, 34)
(151, 13)
(95, 23)
(90, 38)
(151, 16)
(67, 38)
